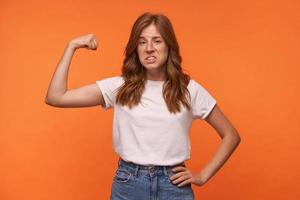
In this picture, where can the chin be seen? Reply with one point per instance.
(151, 66)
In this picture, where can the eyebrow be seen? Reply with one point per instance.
(155, 37)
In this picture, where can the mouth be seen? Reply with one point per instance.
(150, 59)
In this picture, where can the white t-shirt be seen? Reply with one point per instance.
(149, 134)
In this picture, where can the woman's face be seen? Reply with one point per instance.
(152, 49)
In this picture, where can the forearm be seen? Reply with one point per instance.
(225, 149)
(58, 84)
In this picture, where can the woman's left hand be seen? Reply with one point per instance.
(184, 176)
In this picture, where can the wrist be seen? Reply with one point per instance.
(202, 177)
(71, 46)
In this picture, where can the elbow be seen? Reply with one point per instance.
(51, 101)
(237, 138)
(234, 137)
(48, 102)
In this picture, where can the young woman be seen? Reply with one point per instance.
(154, 103)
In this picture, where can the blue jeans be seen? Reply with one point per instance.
(139, 182)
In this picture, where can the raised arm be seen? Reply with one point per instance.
(58, 94)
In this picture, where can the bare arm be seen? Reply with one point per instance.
(58, 94)
(230, 140)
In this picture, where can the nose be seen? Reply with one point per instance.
(149, 47)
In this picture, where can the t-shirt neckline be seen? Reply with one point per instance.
(154, 82)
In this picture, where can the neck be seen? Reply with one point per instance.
(155, 75)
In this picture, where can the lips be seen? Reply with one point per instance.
(150, 59)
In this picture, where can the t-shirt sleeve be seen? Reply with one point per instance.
(108, 88)
(203, 102)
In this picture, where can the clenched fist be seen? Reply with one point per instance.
(86, 41)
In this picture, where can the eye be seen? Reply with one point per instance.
(142, 42)
(157, 41)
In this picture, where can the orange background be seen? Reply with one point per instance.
(245, 53)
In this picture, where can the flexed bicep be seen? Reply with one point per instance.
(85, 96)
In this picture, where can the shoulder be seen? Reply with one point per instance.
(110, 83)
(194, 85)
(116, 80)
(197, 88)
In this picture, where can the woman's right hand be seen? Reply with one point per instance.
(86, 41)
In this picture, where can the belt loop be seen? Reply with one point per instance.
(119, 161)
(165, 170)
(136, 170)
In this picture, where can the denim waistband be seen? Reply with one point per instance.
(147, 167)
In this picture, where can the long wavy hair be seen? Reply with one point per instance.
(175, 90)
